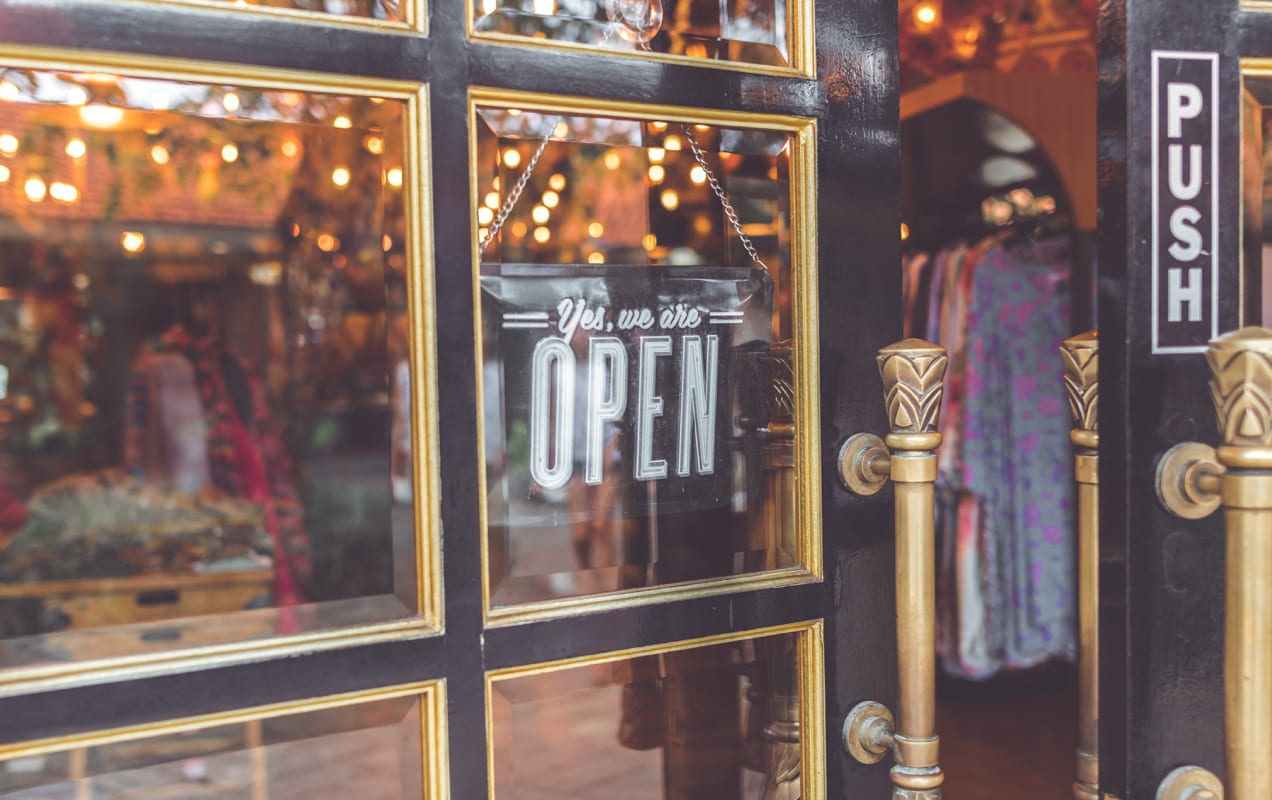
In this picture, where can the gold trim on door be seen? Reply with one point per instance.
(421, 303)
(415, 12)
(804, 316)
(812, 690)
(431, 694)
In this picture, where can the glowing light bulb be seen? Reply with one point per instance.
(612, 160)
(492, 200)
(394, 176)
(561, 130)
(76, 148)
(649, 242)
(229, 153)
(340, 176)
(101, 116)
(231, 102)
(35, 189)
(670, 200)
(63, 192)
(551, 199)
(557, 182)
(596, 230)
(342, 122)
(657, 173)
(658, 126)
(4, 174)
(905, 231)
(76, 96)
(540, 214)
(542, 235)
(485, 216)
(8, 144)
(672, 142)
(487, 7)
(698, 175)
(511, 158)
(8, 91)
(159, 154)
(926, 14)
(656, 155)
(132, 241)
(519, 229)
(386, 243)
(596, 258)
(326, 242)
(290, 148)
(374, 144)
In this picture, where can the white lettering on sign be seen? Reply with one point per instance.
(1185, 201)
(552, 400)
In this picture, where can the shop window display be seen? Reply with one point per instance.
(203, 350)
(638, 374)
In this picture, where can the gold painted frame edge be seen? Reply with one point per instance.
(801, 45)
(804, 319)
(417, 194)
(430, 694)
(416, 21)
(811, 668)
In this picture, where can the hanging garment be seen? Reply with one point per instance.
(1014, 430)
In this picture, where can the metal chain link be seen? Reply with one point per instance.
(514, 195)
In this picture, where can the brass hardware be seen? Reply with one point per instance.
(864, 464)
(868, 732)
(1190, 783)
(913, 372)
(1237, 474)
(1188, 480)
(1081, 355)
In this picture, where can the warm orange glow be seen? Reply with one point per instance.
(340, 176)
(670, 200)
(8, 144)
(159, 154)
(35, 189)
(551, 199)
(231, 102)
(540, 214)
(485, 216)
(672, 142)
(542, 235)
(326, 242)
(386, 243)
(596, 258)
(926, 14)
(4, 174)
(656, 155)
(596, 230)
(63, 192)
(101, 116)
(342, 122)
(649, 242)
(492, 200)
(374, 144)
(557, 182)
(290, 148)
(511, 158)
(698, 175)
(76, 148)
(657, 173)
(8, 91)
(229, 153)
(394, 176)
(612, 160)
(132, 241)
(905, 231)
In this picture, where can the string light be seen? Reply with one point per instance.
(670, 200)
(8, 91)
(540, 214)
(63, 192)
(657, 173)
(551, 199)
(672, 142)
(519, 229)
(8, 144)
(557, 182)
(926, 14)
(395, 176)
(649, 242)
(101, 116)
(596, 258)
(35, 189)
(342, 122)
(76, 148)
(542, 235)
(492, 199)
(386, 243)
(485, 216)
(4, 174)
(230, 102)
(658, 126)
(905, 231)
(326, 242)
(612, 160)
(340, 176)
(596, 230)
(561, 130)
(132, 241)
(487, 7)
(374, 144)
(76, 96)
(698, 175)
(482, 234)
(159, 154)
(511, 158)
(656, 155)
(229, 153)
(290, 148)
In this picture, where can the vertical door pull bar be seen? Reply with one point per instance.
(1081, 355)
(1192, 479)
(913, 372)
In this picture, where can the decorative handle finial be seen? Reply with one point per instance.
(913, 374)
(1081, 356)
(1241, 387)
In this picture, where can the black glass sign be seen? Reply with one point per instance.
(618, 375)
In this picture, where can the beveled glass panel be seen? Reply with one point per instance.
(371, 750)
(714, 721)
(638, 372)
(1256, 174)
(203, 365)
(386, 10)
(756, 32)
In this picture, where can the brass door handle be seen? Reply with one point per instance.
(1193, 480)
(913, 372)
(1081, 355)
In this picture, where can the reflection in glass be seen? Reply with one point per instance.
(747, 31)
(721, 721)
(1256, 190)
(390, 10)
(203, 365)
(372, 750)
(637, 379)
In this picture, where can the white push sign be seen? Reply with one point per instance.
(1185, 201)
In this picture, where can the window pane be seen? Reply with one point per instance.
(637, 375)
(203, 365)
(749, 31)
(716, 721)
(390, 10)
(371, 750)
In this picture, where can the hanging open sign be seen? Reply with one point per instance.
(622, 376)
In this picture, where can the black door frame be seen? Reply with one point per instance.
(855, 102)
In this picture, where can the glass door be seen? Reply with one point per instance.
(446, 401)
